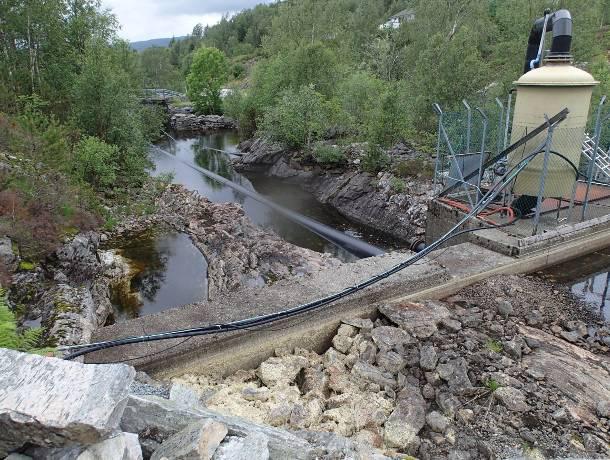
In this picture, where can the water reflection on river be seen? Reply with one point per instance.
(168, 270)
(205, 151)
(588, 278)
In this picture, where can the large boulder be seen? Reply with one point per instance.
(124, 446)
(199, 440)
(49, 402)
(420, 319)
(157, 419)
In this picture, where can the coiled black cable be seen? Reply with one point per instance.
(318, 303)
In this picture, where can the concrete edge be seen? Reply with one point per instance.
(248, 350)
(528, 264)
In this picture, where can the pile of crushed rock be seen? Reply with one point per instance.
(510, 367)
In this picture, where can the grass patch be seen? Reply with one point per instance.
(492, 385)
(494, 345)
(397, 185)
(26, 266)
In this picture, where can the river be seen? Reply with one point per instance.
(161, 259)
(208, 151)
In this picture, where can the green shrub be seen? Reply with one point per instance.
(241, 106)
(327, 154)
(300, 118)
(494, 345)
(237, 71)
(492, 385)
(95, 162)
(415, 167)
(375, 159)
(397, 185)
(26, 266)
(27, 341)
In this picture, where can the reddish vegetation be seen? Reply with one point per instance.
(38, 204)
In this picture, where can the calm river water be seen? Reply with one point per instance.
(171, 270)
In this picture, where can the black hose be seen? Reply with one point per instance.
(315, 304)
(355, 246)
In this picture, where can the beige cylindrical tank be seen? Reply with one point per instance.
(548, 90)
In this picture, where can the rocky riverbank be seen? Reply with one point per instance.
(510, 368)
(70, 291)
(391, 205)
(54, 409)
(191, 122)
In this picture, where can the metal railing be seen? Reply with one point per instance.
(468, 138)
(162, 93)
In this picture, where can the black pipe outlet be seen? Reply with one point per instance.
(560, 23)
(562, 32)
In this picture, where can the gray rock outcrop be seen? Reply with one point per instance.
(8, 258)
(359, 196)
(49, 402)
(238, 252)
(192, 122)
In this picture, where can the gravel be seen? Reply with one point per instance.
(145, 389)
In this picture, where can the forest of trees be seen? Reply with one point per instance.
(299, 70)
(73, 133)
(373, 83)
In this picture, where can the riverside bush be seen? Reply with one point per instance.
(397, 185)
(299, 118)
(328, 154)
(95, 162)
(375, 159)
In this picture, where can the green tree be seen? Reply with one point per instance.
(458, 69)
(207, 74)
(104, 105)
(359, 93)
(300, 118)
(158, 71)
(96, 162)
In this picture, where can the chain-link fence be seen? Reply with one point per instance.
(568, 181)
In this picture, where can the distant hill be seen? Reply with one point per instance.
(161, 42)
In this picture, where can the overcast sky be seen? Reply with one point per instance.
(141, 20)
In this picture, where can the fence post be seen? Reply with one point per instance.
(481, 159)
(500, 124)
(468, 124)
(507, 121)
(439, 111)
(545, 166)
(591, 167)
